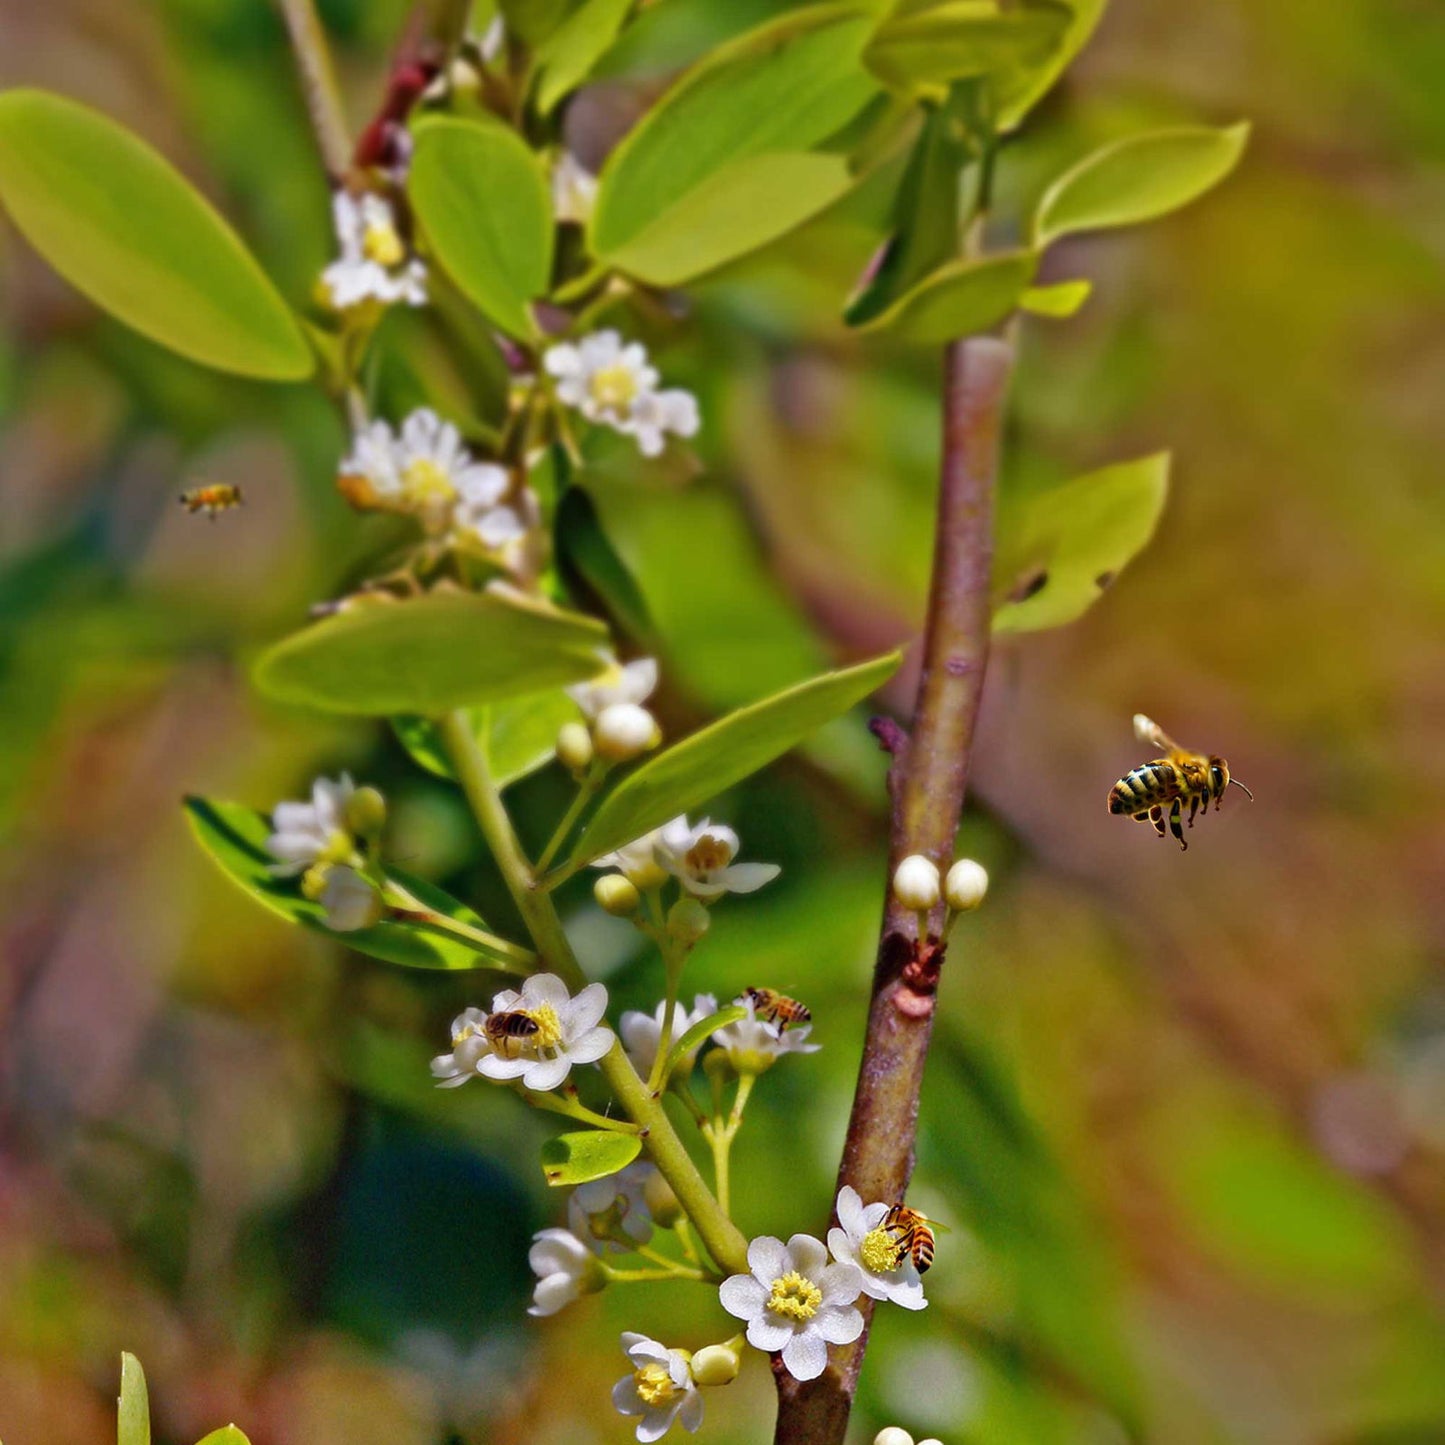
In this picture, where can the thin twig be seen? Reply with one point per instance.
(318, 83)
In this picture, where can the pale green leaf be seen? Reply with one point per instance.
(965, 40)
(123, 226)
(709, 762)
(962, 298)
(1138, 178)
(701, 1029)
(1058, 301)
(570, 52)
(226, 1435)
(133, 1422)
(430, 654)
(570, 1159)
(235, 838)
(594, 571)
(1033, 85)
(484, 206)
(518, 735)
(1058, 550)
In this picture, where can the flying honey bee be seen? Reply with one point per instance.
(212, 498)
(774, 1007)
(1169, 782)
(914, 1233)
(508, 1032)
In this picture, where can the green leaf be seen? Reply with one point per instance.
(594, 572)
(235, 838)
(1138, 179)
(431, 654)
(959, 299)
(1058, 301)
(570, 52)
(784, 87)
(123, 226)
(1059, 549)
(484, 205)
(133, 1422)
(519, 736)
(588, 1154)
(700, 1030)
(1039, 80)
(226, 1435)
(966, 39)
(729, 750)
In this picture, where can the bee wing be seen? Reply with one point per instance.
(1149, 731)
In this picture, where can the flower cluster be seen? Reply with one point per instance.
(375, 263)
(327, 842)
(611, 383)
(618, 728)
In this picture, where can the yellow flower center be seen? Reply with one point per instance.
(614, 386)
(607, 1223)
(879, 1251)
(337, 849)
(380, 243)
(706, 854)
(425, 480)
(654, 1384)
(461, 1035)
(549, 1027)
(795, 1296)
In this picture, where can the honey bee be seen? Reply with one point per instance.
(212, 498)
(508, 1032)
(1169, 782)
(774, 1007)
(914, 1233)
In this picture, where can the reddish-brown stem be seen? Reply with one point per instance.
(927, 783)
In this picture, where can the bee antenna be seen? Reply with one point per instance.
(1236, 783)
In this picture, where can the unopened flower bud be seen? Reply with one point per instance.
(661, 1202)
(623, 731)
(718, 1364)
(574, 746)
(915, 883)
(616, 895)
(965, 886)
(892, 1435)
(366, 812)
(687, 920)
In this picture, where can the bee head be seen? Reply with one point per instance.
(1218, 776)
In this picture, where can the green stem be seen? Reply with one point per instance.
(721, 1236)
(318, 82)
(673, 960)
(558, 1104)
(629, 1276)
(586, 791)
(506, 957)
(720, 1136)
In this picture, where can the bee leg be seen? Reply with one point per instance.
(1174, 815)
(1194, 807)
(1141, 817)
(1156, 816)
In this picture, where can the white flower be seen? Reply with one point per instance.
(700, 857)
(351, 901)
(469, 1043)
(374, 263)
(568, 1032)
(632, 682)
(565, 1268)
(796, 1302)
(314, 832)
(574, 190)
(642, 1032)
(660, 1388)
(612, 383)
(637, 862)
(601, 1209)
(753, 1046)
(888, 1271)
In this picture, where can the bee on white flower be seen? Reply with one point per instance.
(375, 264)
(612, 384)
(574, 190)
(862, 1238)
(660, 1388)
(700, 856)
(753, 1045)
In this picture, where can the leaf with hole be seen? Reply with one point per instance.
(1059, 549)
(431, 654)
(963, 298)
(122, 225)
(588, 1154)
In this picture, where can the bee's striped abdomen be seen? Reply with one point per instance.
(1144, 787)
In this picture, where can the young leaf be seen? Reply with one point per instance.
(1138, 179)
(133, 1422)
(123, 226)
(519, 735)
(701, 1029)
(966, 39)
(431, 654)
(570, 52)
(786, 86)
(226, 1435)
(486, 211)
(1059, 549)
(1032, 85)
(235, 838)
(1057, 301)
(593, 571)
(959, 299)
(729, 750)
(588, 1154)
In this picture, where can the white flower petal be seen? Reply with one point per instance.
(742, 1296)
(808, 1255)
(838, 1325)
(805, 1357)
(768, 1258)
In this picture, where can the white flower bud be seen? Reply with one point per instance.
(687, 920)
(718, 1364)
(574, 746)
(365, 812)
(616, 895)
(351, 901)
(623, 731)
(892, 1435)
(915, 883)
(965, 886)
(932, 1440)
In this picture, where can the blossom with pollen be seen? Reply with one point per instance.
(859, 1238)
(612, 384)
(469, 1043)
(612, 1213)
(641, 1033)
(660, 1388)
(637, 862)
(631, 682)
(753, 1045)
(306, 834)
(374, 264)
(795, 1302)
(565, 1268)
(700, 856)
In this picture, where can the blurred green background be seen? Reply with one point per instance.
(1186, 1112)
